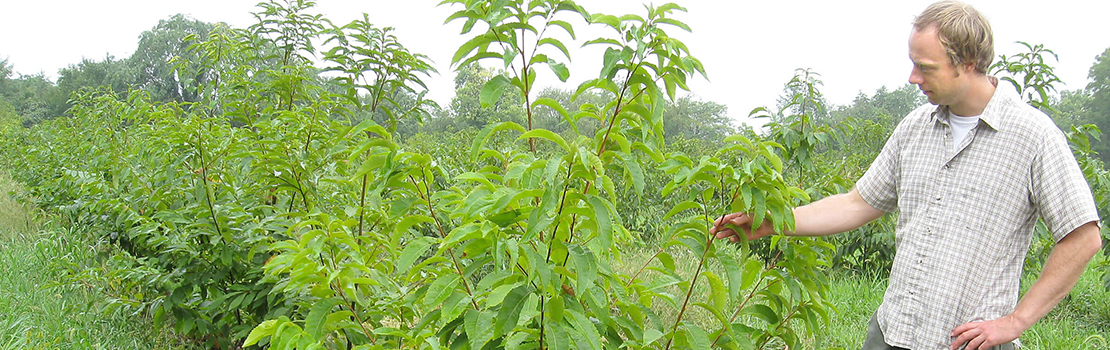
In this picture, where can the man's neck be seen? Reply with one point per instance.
(977, 96)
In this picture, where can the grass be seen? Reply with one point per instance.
(1080, 321)
(41, 306)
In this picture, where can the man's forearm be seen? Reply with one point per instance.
(1066, 262)
(834, 214)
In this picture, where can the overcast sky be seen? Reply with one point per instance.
(749, 48)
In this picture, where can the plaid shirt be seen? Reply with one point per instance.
(966, 219)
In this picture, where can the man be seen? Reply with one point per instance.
(970, 174)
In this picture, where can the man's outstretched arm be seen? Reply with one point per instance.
(1066, 262)
(833, 214)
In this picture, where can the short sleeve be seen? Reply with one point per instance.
(1059, 192)
(879, 185)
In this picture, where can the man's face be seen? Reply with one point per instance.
(941, 81)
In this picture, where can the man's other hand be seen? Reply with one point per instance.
(987, 334)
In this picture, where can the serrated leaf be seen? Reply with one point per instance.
(717, 291)
(315, 321)
(491, 92)
(479, 327)
(413, 250)
(695, 336)
(604, 220)
(509, 313)
(635, 172)
(547, 135)
(586, 328)
(440, 289)
(585, 266)
(454, 306)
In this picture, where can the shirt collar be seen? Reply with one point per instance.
(992, 114)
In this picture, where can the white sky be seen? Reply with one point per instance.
(749, 48)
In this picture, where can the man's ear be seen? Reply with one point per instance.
(967, 67)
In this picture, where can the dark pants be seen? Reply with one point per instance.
(876, 341)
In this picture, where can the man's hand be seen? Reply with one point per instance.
(987, 334)
(723, 227)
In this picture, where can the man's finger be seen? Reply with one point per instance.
(724, 232)
(965, 336)
(964, 328)
(726, 218)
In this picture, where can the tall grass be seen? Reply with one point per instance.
(43, 305)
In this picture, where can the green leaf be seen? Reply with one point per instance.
(547, 135)
(610, 59)
(566, 26)
(557, 337)
(604, 220)
(413, 250)
(560, 70)
(695, 336)
(264, 329)
(460, 234)
(509, 313)
(409, 221)
(551, 103)
(483, 135)
(554, 309)
(584, 326)
(440, 289)
(651, 335)
(673, 23)
(454, 305)
(635, 172)
(608, 20)
(732, 270)
(585, 266)
(557, 44)
(717, 291)
(315, 321)
(763, 312)
(479, 327)
(492, 91)
(680, 207)
(469, 46)
(752, 270)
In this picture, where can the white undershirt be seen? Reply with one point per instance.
(961, 126)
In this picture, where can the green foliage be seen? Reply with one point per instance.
(1097, 107)
(161, 53)
(1029, 74)
(796, 126)
(281, 209)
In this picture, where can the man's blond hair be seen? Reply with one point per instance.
(964, 33)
